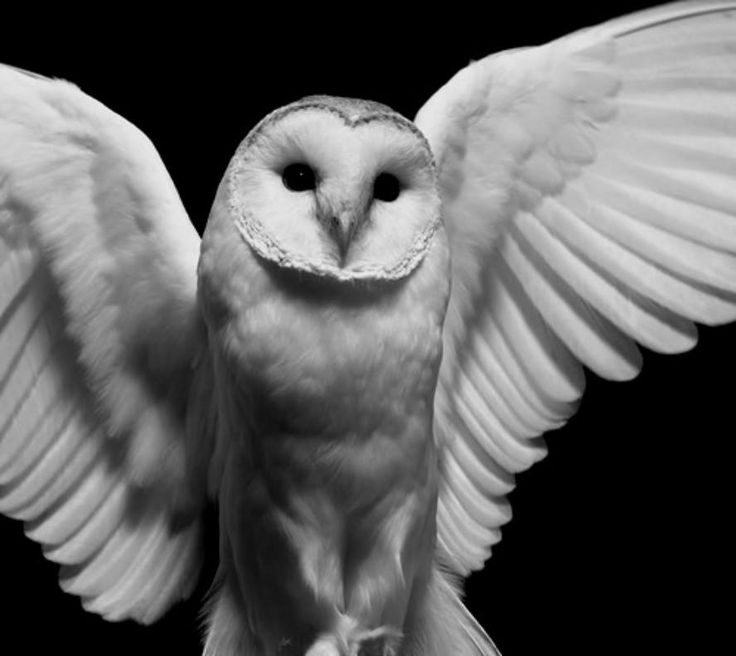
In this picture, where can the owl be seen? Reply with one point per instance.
(382, 319)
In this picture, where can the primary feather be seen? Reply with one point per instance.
(102, 355)
(588, 196)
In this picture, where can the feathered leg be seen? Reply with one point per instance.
(226, 633)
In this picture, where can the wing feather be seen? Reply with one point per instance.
(103, 362)
(62, 519)
(684, 297)
(589, 199)
(95, 532)
(545, 361)
(650, 325)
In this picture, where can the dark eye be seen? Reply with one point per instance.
(386, 187)
(299, 177)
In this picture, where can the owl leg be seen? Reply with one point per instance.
(285, 562)
(227, 634)
(385, 552)
(388, 557)
(321, 576)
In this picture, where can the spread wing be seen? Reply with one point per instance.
(103, 364)
(590, 200)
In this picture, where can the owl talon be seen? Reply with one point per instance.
(383, 641)
(327, 646)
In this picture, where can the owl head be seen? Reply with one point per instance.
(335, 187)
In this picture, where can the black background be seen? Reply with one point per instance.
(618, 537)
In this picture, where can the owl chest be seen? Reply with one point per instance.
(334, 370)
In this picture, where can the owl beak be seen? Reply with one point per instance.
(342, 228)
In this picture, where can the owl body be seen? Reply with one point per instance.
(334, 530)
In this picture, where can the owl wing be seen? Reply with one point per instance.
(103, 364)
(589, 196)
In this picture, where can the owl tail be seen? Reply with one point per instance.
(442, 626)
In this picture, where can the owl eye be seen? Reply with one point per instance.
(386, 187)
(299, 177)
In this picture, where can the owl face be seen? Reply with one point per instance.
(336, 187)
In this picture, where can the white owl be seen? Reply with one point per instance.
(381, 320)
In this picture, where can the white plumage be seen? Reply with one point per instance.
(564, 248)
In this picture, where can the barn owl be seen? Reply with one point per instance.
(154, 385)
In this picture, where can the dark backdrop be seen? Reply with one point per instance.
(616, 538)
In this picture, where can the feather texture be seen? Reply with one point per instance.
(588, 195)
(99, 340)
